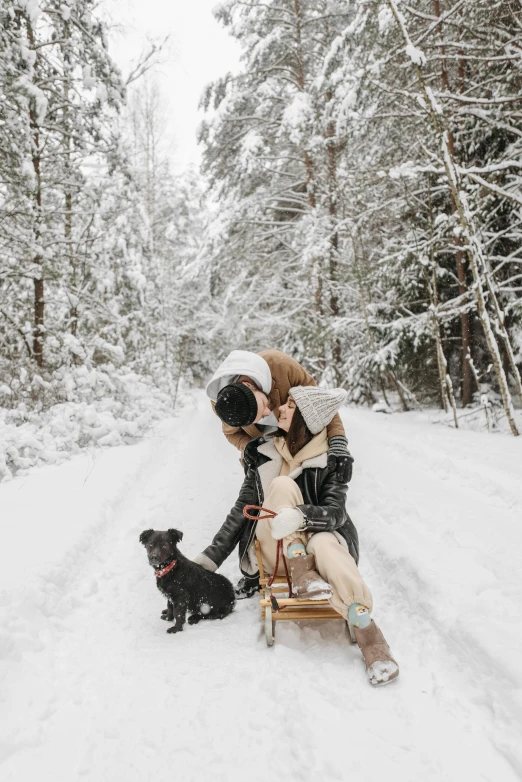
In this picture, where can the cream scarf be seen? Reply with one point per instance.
(317, 446)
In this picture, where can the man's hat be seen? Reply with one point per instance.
(236, 405)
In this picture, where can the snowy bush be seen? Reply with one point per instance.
(101, 406)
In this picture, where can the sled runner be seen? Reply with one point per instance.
(278, 604)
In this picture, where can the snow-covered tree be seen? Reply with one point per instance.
(366, 160)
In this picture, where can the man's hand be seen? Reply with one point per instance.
(288, 520)
(340, 459)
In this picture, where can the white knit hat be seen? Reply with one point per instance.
(318, 405)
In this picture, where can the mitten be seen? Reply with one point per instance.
(288, 520)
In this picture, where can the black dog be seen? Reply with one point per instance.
(186, 585)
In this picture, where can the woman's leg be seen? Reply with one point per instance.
(352, 599)
(337, 566)
(306, 582)
(283, 493)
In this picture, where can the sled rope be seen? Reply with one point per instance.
(279, 550)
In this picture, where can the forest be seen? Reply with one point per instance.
(182, 180)
(359, 206)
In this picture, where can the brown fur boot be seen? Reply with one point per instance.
(381, 668)
(307, 584)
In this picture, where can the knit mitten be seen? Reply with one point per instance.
(340, 459)
(288, 520)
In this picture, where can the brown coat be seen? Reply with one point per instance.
(286, 373)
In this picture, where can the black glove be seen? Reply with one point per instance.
(250, 455)
(340, 459)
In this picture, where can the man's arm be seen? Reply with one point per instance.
(335, 428)
(234, 434)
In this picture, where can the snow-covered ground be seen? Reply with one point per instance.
(92, 687)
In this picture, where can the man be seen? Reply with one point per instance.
(247, 390)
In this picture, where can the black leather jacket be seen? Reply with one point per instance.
(324, 509)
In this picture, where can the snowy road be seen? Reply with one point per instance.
(92, 688)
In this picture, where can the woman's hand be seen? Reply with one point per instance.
(288, 520)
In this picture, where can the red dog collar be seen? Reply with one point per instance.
(166, 569)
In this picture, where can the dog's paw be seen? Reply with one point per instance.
(194, 619)
(174, 629)
(164, 615)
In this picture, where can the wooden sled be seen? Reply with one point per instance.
(276, 606)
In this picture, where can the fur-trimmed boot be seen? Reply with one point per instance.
(307, 584)
(381, 668)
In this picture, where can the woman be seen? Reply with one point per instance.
(289, 475)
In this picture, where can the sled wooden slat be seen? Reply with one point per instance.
(278, 583)
(292, 610)
(304, 615)
(293, 601)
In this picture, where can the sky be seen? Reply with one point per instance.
(199, 50)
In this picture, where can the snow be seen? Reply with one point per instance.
(382, 407)
(29, 438)
(297, 117)
(416, 55)
(385, 18)
(403, 171)
(94, 689)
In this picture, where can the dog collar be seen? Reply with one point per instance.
(166, 569)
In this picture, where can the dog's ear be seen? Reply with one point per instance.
(145, 535)
(175, 536)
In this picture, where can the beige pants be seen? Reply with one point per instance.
(334, 562)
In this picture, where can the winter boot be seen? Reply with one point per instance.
(381, 668)
(246, 587)
(307, 584)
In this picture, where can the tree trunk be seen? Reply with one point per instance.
(311, 185)
(73, 311)
(465, 396)
(39, 287)
(334, 239)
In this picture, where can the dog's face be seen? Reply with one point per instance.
(161, 546)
